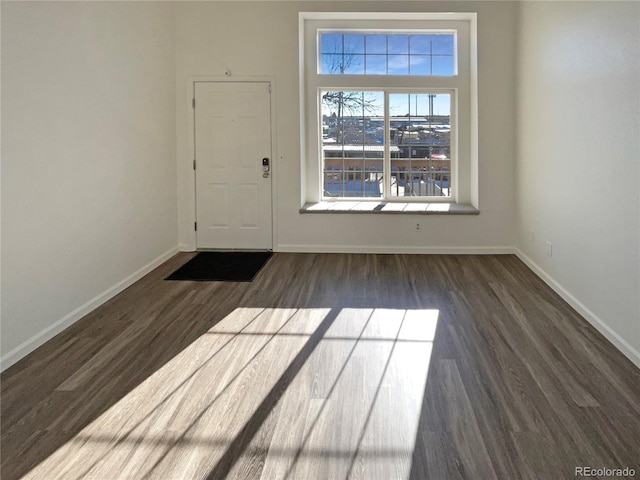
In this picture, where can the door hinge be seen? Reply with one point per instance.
(193, 103)
(194, 164)
(195, 226)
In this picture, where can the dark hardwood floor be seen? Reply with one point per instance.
(329, 367)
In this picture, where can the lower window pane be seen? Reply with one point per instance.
(420, 133)
(353, 141)
(352, 144)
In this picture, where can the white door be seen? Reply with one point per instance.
(232, 141)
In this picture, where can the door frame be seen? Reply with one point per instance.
(191, 150)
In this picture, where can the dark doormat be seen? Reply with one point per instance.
(222, 266)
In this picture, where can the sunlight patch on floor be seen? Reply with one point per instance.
(350, 406)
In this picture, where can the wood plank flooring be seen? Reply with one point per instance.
(326, 366)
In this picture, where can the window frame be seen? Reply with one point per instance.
(462, 87)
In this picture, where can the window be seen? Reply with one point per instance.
(386, 144)
(375, 53)
(387, 106)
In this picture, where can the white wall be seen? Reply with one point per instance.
(578, 173)
(261, 39)
(88, 158)
(95, 100)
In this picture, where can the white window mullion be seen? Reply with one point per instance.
(386, 168)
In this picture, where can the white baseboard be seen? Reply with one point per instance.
(421, 250)
(48, 333)
(619, 342)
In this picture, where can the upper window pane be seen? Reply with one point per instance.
(398, 64)
(331, 43)
(398, 44)
(376, 44)
(354, 53)
(420, 44)
(441, 44)
(376, 64)
(353, 42)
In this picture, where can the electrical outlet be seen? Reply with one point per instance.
(418, 227)
(549, 249)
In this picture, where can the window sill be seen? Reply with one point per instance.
(403, 208)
